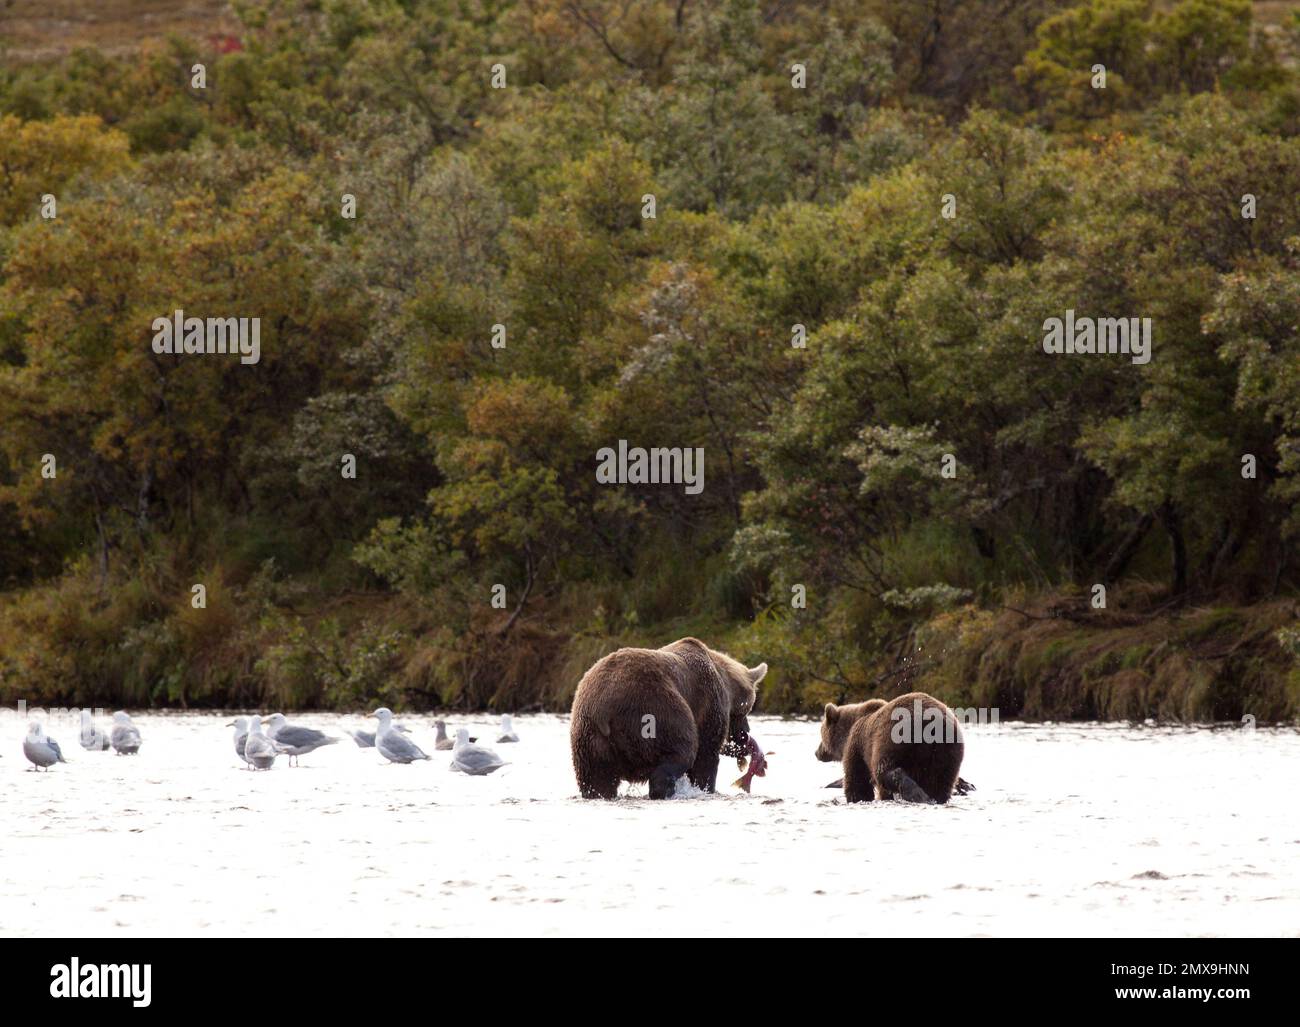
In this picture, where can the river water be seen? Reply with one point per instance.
(1075, 830)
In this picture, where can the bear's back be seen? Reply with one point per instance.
(624, 673)
(881, 723)
(626, 686)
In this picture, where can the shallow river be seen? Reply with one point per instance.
(1074, 830)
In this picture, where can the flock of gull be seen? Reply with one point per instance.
(259, 749)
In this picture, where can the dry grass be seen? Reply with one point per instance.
(1055, 659)
(35, 30)
(39, 29)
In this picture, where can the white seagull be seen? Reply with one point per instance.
(91, 737)
(507, 730)
(391, 744)
(125, 737)
(43, 752)
(294, 740)
(259, 751)
(473, 759)
(240, 724)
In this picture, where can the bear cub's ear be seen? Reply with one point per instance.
(756, 674)
(830, 711)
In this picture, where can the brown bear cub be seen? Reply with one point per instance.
(910, 747)
(656, 714)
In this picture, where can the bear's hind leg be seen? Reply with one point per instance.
(663, 779)
(857, 780)
(705, 772)
(597, 784)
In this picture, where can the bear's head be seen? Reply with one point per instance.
(741, 683)
(837, 721)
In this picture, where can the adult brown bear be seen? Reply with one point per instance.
(656, 714)
(911, 747)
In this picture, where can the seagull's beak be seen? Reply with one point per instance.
(231, 724)
(266, 720)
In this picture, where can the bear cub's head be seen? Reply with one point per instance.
(837, 721)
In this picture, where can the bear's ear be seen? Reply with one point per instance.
(830, 711)
(756, 674)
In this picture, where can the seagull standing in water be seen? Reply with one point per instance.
(240, 724)
(390, 743)
(442, 741)
(507, 730)
(259, 751)
(294, 740)
(472, 759)
(125, 737)
(43, 752)
(91, 737)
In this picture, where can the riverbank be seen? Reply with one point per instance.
(1054, 658)
(264, 643)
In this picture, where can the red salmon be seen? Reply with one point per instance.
(757, 765)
